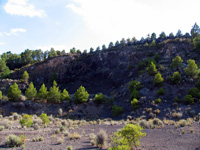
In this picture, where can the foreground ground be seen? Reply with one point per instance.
(168, 137)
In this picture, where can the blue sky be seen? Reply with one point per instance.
(63, 24)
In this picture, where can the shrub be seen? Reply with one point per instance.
(44, 118)
(1, 95)
(99, 98)
(101, 138)
(153, 44)
(198, 84)
(176, 78)
(69, 148)
(159, 100)
(42, 94)
(177, 62)
(161, 91)
(64, 95)
(135, 94)
(2, 128)
(54, 93)
(14, 93)
(15, 141)
(134, 85)
(31, 92)
(74, 136)
(117, 110)
(177, 100)
(188, 99)
(25, 76)
(81, 95)
(194, 92)
(152, 69)
(192, 68)
(135, 103)
(158, 80)
(26, 120)
(127, 137)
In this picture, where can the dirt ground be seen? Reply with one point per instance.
(167, 138)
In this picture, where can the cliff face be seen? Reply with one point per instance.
(106, 71)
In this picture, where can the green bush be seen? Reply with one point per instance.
(152, 69)
(64, 95)
(127, 138)
(135, 103)
(14, 93)
(198, 84)
(157, 57)
(15, 141)
(26, 120)
(158, 80)
(177, 100)
(192, 69)
(54, 94)
(176, 78)
(99, 98)
(153, 44)
(31, 92)
(134, 85)
(81, 95)
(25, 76)
(117, 110)
(177, 62)
(159, 100)
(194, 92)
(161, 91)
(188, 99)
(1, 95)
(135, 94)
(44, 118)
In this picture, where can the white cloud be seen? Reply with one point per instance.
(2, 43)
(22, 8)
(14, 31)
(115, 19)
(1, 34)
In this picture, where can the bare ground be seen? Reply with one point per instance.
(166, 138)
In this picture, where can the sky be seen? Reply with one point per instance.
(64, 24)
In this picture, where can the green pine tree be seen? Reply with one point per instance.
(1, 95)
(81, 95)
(54, 94)
(153, 44)
(14, 93)
(4, 70)
(42, 94)
(31, 92)
(192, 69)
(152, 69)
(64, 95)
(177, 62)
(158, 80)
(25, 76)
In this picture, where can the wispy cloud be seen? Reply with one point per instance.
(2, 43)
(22, 8)
(14, 31)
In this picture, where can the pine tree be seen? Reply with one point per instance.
(25, 76)
(42, 94)
(14, 93)
(158, 80)
(152, 69)
(1, 95)
(81, 95)
(177, 62)
(64, 95)
(31, 92)
(4, 70)
(153, 44)
(54, 94)
(192, 68)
